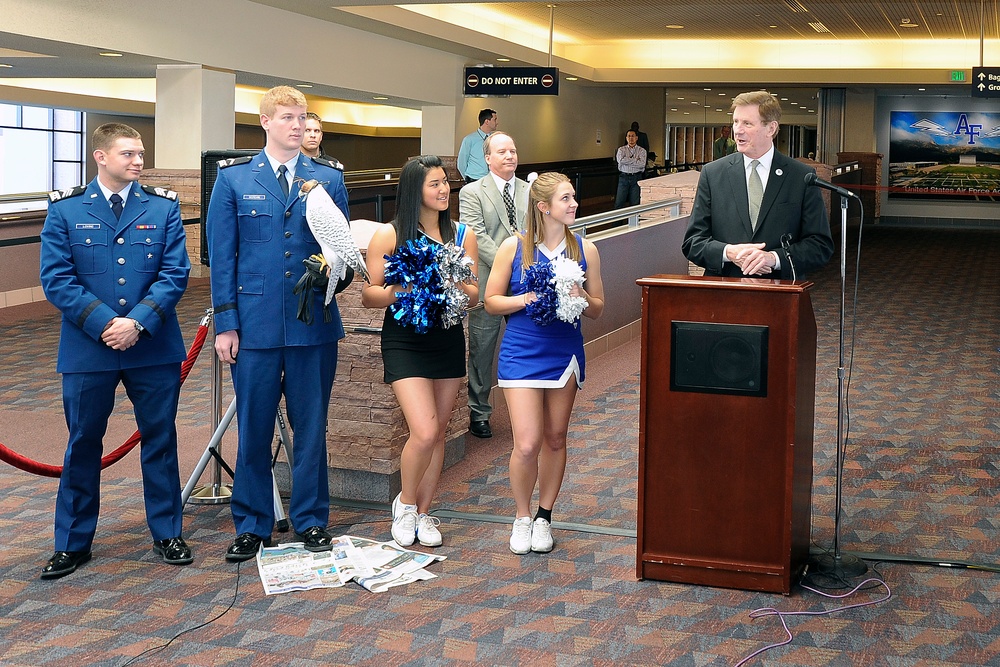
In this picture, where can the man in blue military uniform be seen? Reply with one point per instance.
(258, 237)
(113, 261)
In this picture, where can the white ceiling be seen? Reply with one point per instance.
(594, 21)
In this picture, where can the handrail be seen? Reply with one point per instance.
(612, 220)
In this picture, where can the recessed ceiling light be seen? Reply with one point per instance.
(772, 26)
(675, 26)
(687, 113)
(718, 109)
(905, 23)
(379, 97)
(503, 60)
(110, 54)
(706, 89)
(694, 101)
(672, 109)
(5, 65)
(303, 85)
(572, 78)
(921, 89)
(784, 99)
(722, 94)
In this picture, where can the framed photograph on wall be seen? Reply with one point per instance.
(944, 155)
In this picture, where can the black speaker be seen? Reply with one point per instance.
(209, 172)
(718, 358)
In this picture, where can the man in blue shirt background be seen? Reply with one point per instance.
(471, 161)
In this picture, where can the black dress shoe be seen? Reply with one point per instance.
(245, 547)
(63, 563)
(174, 551)
(316, 538)
(480, 428)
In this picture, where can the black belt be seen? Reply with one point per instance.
(626, 173)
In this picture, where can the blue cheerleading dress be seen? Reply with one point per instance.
(543, 357)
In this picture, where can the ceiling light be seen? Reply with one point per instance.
(921, 89)
(672, 109)
(784, 99)
(110, 54)
(303, 85)
(718, 109)
(5, 65)
(905, 23)
(706, 89)
(819, 27)
(772, 26)
(503, 60)
(572, 78)
(379, 97)
(675, 26)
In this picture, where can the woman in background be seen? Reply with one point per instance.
(425, 370)
(541, 367)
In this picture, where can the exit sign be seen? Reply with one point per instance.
(958, 75)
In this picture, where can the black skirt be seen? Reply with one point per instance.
(437, 355)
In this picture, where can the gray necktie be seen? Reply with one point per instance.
(756, 189)
(509, 201)
(116, 205)
(283, 179)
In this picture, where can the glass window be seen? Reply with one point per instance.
(41, 158)
(64, 119)
(38, 118)
(8, 115)
(66, 146)
(66, 175)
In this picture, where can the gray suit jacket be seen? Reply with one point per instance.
(721, 216)
(480, 205)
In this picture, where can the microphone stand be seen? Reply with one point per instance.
(840, 565)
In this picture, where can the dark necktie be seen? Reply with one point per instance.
(283, 179)
(116, 205)
(509, 201)
(756, 188)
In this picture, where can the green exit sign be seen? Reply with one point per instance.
(958, 75)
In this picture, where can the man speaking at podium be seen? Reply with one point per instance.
(753, 214)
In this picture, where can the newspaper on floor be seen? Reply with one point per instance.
(374, 565)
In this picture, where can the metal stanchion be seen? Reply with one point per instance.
(215, 493)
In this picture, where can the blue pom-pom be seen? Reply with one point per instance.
(540, 280)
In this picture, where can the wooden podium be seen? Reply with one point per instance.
(727, 388)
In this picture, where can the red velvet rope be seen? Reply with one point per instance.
(46, 470)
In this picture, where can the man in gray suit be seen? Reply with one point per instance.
(753, 214)
(493, 215)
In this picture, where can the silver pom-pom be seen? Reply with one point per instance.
(566, 274)
(454, 268)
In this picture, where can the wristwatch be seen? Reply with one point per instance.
(138, 327)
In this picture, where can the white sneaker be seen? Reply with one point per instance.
(520, 535)
(404, 523)
(541, 536)
(427, 532)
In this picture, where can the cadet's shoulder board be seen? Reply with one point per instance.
(66, 193)
(160, 192)
(229, 162)
(328, 163)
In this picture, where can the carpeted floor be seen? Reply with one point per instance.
(920, 485)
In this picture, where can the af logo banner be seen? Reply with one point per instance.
(507, 81)
(944, 155)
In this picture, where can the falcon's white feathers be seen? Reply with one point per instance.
(331, 229)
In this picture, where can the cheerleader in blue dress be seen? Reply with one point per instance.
(425, 370)
(541, 367)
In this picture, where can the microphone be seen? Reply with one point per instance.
(812, 179)
(786, 245)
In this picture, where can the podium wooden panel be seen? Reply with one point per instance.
(725, 479)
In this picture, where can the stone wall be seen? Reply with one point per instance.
(187, 184)
(366, 430)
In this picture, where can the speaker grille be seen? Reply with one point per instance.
(718, 358)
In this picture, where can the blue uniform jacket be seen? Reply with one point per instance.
(95, 268)
(256, 241)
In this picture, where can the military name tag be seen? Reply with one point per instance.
(87, 225)
(255, 197)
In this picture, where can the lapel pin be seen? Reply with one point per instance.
(778, 172)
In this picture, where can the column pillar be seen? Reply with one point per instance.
(437, 131)
(195, 111)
